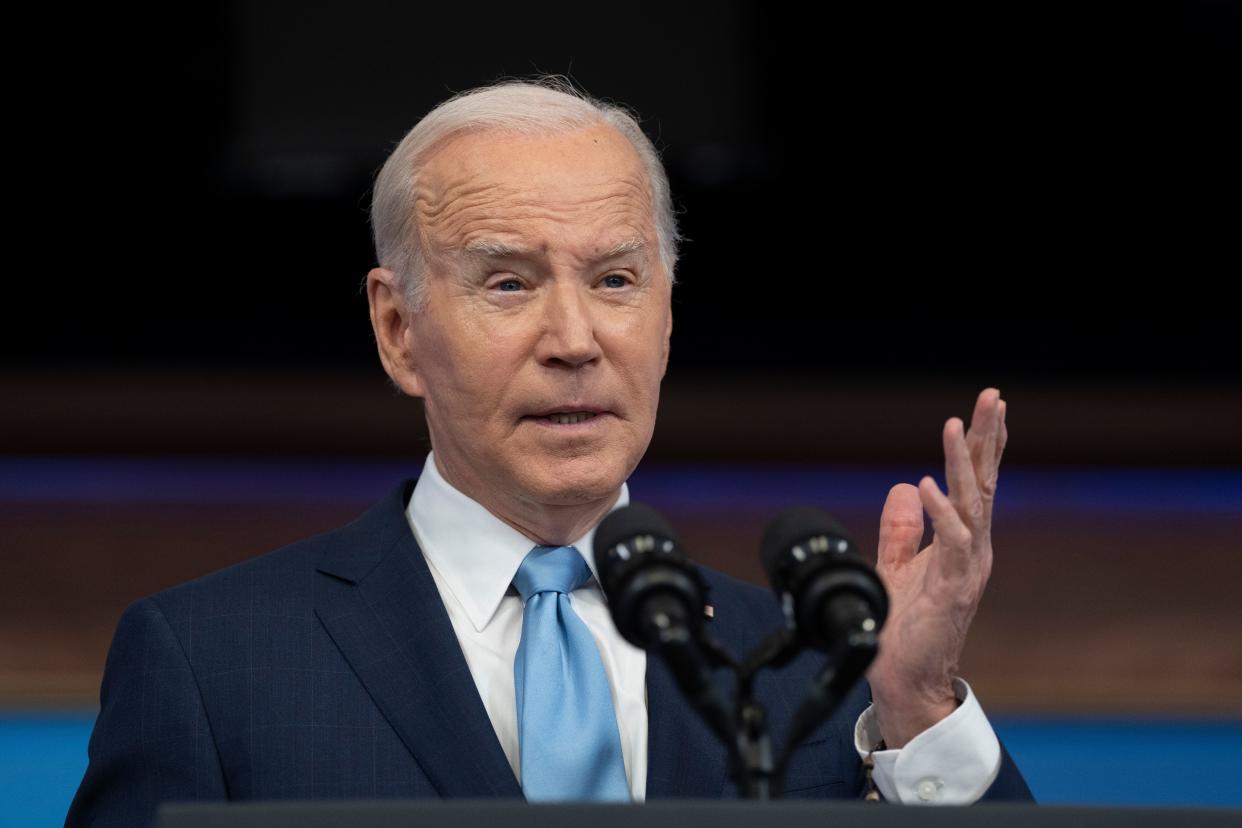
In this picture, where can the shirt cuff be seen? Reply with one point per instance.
(953, 762)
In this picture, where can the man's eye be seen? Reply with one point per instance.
(615, 280)
(509, 285)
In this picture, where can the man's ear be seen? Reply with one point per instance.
(391, 321)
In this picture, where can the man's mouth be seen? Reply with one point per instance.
(575, 413)
(568, 417)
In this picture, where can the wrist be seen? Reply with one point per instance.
(900, 717)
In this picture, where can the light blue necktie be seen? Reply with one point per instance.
(567, 730)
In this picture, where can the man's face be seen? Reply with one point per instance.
(545, 333)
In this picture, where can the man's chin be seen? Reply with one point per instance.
(575, 483)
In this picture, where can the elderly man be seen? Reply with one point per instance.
(451, 642)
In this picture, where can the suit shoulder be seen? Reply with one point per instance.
(280, 581)
(252, 580)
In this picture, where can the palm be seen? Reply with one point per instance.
(922, 639)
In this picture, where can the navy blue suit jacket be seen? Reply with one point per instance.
(329, 669)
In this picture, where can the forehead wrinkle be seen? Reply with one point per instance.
(452, 221)
(437, 195)
(531, 220)
(460, 204)
(432, 205)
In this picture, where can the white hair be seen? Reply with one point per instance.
(547, 105)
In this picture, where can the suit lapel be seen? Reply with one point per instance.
(378, 602)
(684, 758)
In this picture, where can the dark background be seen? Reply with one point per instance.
(1033, 193)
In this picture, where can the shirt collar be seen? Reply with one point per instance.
(475, 553)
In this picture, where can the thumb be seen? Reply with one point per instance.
(901, 526)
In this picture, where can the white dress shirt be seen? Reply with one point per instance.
(473, 557)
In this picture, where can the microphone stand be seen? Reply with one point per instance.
(744, 730)
(754, 771)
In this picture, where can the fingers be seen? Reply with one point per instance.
(953, 537)
(901, 526)
(985, 439)
(960, 476)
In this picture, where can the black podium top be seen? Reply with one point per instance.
(676, 814)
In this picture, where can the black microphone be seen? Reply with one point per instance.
(830, 595)
(658, 600)
(654, 593)
(833, 600)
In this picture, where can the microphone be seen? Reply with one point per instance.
(658, 600)
(656, 596)
(834, 602)
(830, 595)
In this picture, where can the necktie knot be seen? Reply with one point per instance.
(551, 569)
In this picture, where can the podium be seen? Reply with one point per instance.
(686, 813)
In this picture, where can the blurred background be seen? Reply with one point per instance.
(888, 208)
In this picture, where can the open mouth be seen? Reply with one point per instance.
(567, 417)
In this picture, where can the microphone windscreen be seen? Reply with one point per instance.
(790, 528)
(625, 523)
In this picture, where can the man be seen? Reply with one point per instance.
(526, 246)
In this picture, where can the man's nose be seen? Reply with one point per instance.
(569, 326)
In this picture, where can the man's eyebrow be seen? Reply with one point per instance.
(623, 248)
(496, 249)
